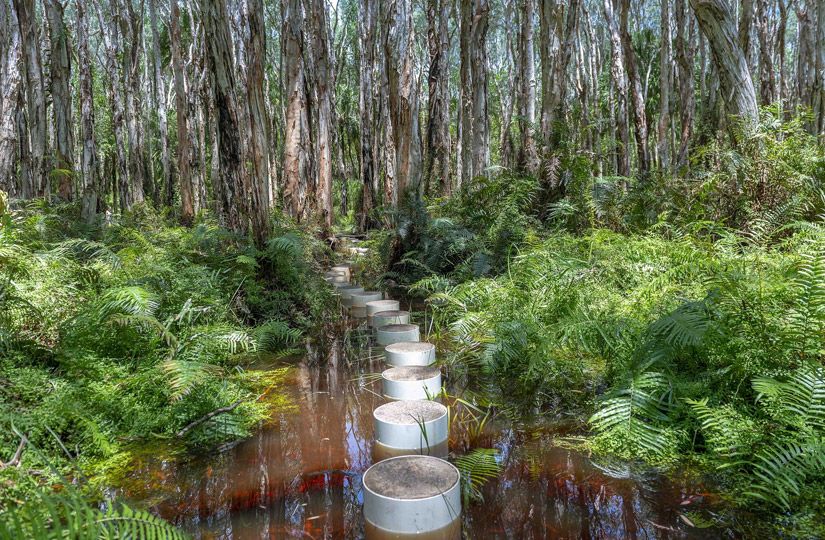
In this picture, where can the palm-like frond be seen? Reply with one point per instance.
(637, 409)
(781, 471)
(477, 468)
(185, 375)
(801, 398)
(274, 336)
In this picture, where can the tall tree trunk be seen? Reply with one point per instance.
(88, 153)
(781, 31)
(806, 43)
(323, 86)
(367, 21)
(685, 60)
(438, 128)
(296, 138)
(187, 213)
(10, 92)
(159, 91)
(663, 131)
(403, 99)
(767, 80)
(257, 187)
(819, 78)
(620, 83)
(111, 39)
(60, 73)
(228, 143)
(745, 24)
(35, 99)
(716, 22)
(526, 92)
(475, 130)
(636, 94)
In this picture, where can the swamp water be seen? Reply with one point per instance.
(300, 475)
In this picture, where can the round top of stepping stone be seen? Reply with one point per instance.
(389, 314)
(348, 287)
(378, 304)
(409, 347)
(411, 477)
(397, 327)
(410, 373)
(409, 412)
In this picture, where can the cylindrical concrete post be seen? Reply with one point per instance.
(410, 353)
(347, 292)
(359, 303)
(411, 382)
(393, 333)
(412, 427)
(412, 495)
(380, 305)
(394, 316)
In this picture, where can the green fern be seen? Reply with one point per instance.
(799, 400)
(782, 469)
(477, 468)
(806, 319)
(635, 411)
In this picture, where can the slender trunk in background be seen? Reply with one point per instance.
(187, 205)
(526, 93)
(88, 152)
(663, 129)
(39, 184)
(131, 31)
(781, 31)
(9, 98)
(819, 79)
(745, 24)
(257, 180)
(806, 43)
(111, 40)
(366, 55)
(437, 168)
(620, 84)
(61, 73)
(716, 22)
(403, 100)
(323, 86)
(636, 94)
(767, 80)
(475, 128)
(159, 92)
(199, 102)
(508, 83)
(685, 54)
(230, 169)
(296, 138)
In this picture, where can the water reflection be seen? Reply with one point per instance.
(300, 476)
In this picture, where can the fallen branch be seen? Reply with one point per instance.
(207, 416)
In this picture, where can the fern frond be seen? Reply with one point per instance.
(477, 468)
(186, 375)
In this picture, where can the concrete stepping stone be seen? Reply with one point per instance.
(412, 427)
(385, 318)
(410, 353)
(377, 306)
(412, 495)
(358, 308)
(393, 333)
(411, 382)
(347, 292)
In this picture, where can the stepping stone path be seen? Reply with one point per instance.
(414, 492)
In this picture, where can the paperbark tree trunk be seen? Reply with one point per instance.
(323, 86)
(685, 54)
(187, 212)
(620, 84)
(88, 152)
(296, 138)
(221, 67)
(39, 184)
(526, 93)
(159, 91)
(257, 181)
(367, 21)
(438, 128)
(819, 78)
(767, 80)
(716, 22)
(10, 93)
(475, 135)
(403, 100)
(61, 74)
(663, 130)
(636, 92)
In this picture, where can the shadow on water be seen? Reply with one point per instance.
(300, 475)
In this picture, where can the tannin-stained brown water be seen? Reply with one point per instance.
(299, 476)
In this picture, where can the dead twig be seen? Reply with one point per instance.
(207, 416)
